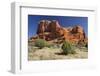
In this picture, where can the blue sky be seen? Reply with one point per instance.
(64, 21)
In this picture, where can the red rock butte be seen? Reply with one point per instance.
(54, 32)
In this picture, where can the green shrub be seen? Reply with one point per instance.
(40, 43)
(86, 45)
(67, 48)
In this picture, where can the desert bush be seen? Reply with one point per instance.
(67, 48)
(86, 45)
(40, 43)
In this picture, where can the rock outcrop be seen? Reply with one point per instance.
(52, 30)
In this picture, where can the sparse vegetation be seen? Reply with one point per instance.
(67, 48)
(40, 43)
(42, 50)
(86, 45)
(55, 54)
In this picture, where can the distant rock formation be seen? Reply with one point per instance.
(53, 31)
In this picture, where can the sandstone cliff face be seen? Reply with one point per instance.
(51, 30)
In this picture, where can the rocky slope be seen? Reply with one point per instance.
(54, 32)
